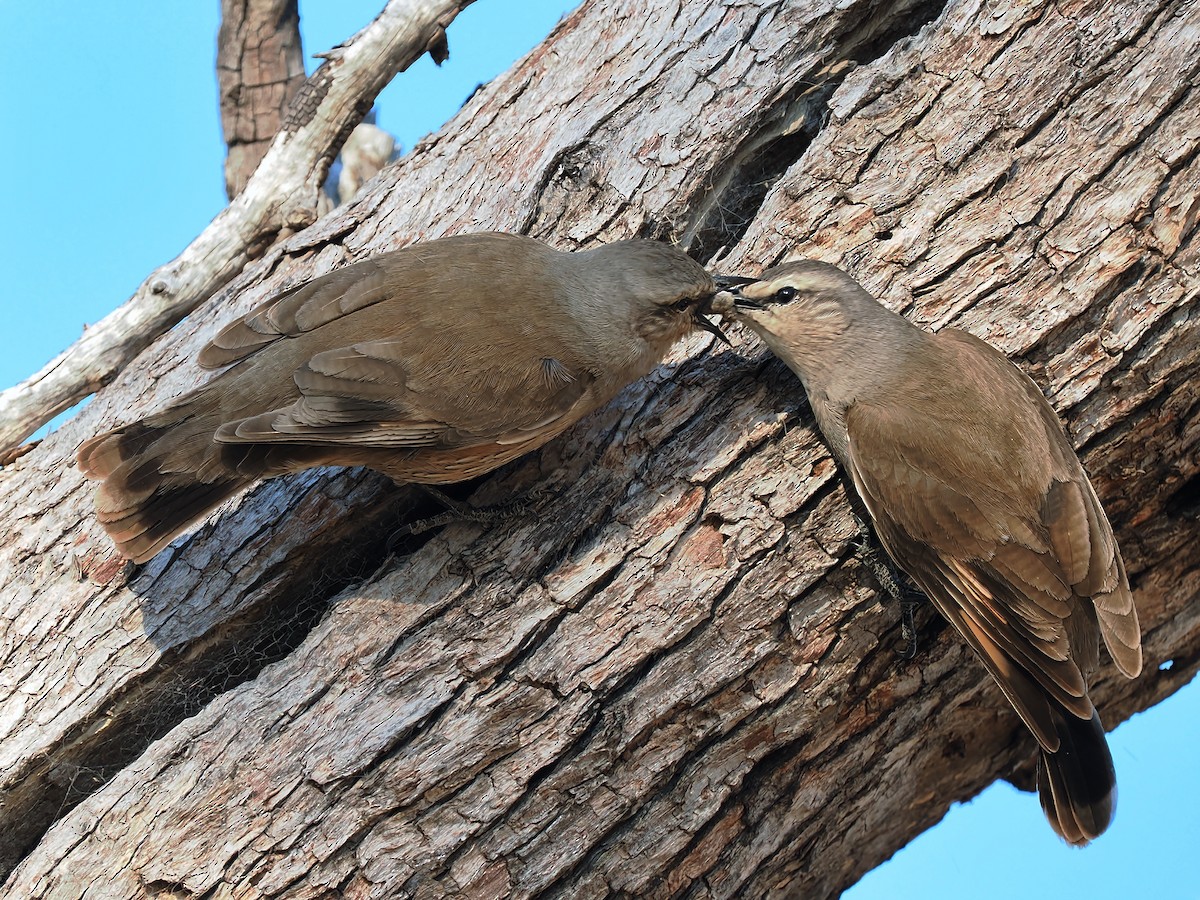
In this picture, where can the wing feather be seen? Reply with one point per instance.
(999, 525)
(373, 367)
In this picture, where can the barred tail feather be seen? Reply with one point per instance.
(155, 484)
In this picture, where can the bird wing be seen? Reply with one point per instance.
(409, 273)
(427, 346)
(297, 310)
(406, 392)
(997, 523)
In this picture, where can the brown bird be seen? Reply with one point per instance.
(975, 491)
(431, 364)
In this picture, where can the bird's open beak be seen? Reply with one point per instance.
(740, 302)
(729, 282)
(708, 325)
(729, 295)
(727, 303)
(722, 303)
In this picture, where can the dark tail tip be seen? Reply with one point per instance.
(1077, 784)
(148, 495)
(142, 527)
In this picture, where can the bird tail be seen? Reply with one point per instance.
(159, 476)
(1077, 784)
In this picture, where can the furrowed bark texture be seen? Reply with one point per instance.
(672, 678)
(260, 67)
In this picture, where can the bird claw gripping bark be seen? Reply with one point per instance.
(457, 511)
(908, 627)
(871, 555)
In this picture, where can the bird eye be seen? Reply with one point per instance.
(785, 295)
(682, 305)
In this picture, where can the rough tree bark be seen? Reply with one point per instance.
(260, 66)
(672, 678)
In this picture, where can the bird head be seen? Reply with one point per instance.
(805, 297)
(667, 292)
(839, 339)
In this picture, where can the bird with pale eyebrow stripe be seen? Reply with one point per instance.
(975, 491)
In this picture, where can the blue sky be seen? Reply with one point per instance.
(113, 156)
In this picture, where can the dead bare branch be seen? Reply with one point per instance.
(279, 199)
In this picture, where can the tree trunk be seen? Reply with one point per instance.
(260, 67)
(672, 678)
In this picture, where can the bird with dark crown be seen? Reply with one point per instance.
(432, 364)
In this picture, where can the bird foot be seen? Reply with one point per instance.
(893, 583)
(457, 511)
(908, 627)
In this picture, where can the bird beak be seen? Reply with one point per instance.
(711, 327)
(729, 295)
(730, 282)
(723, 303)
(740, 302)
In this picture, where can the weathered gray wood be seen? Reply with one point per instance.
(672, 678)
